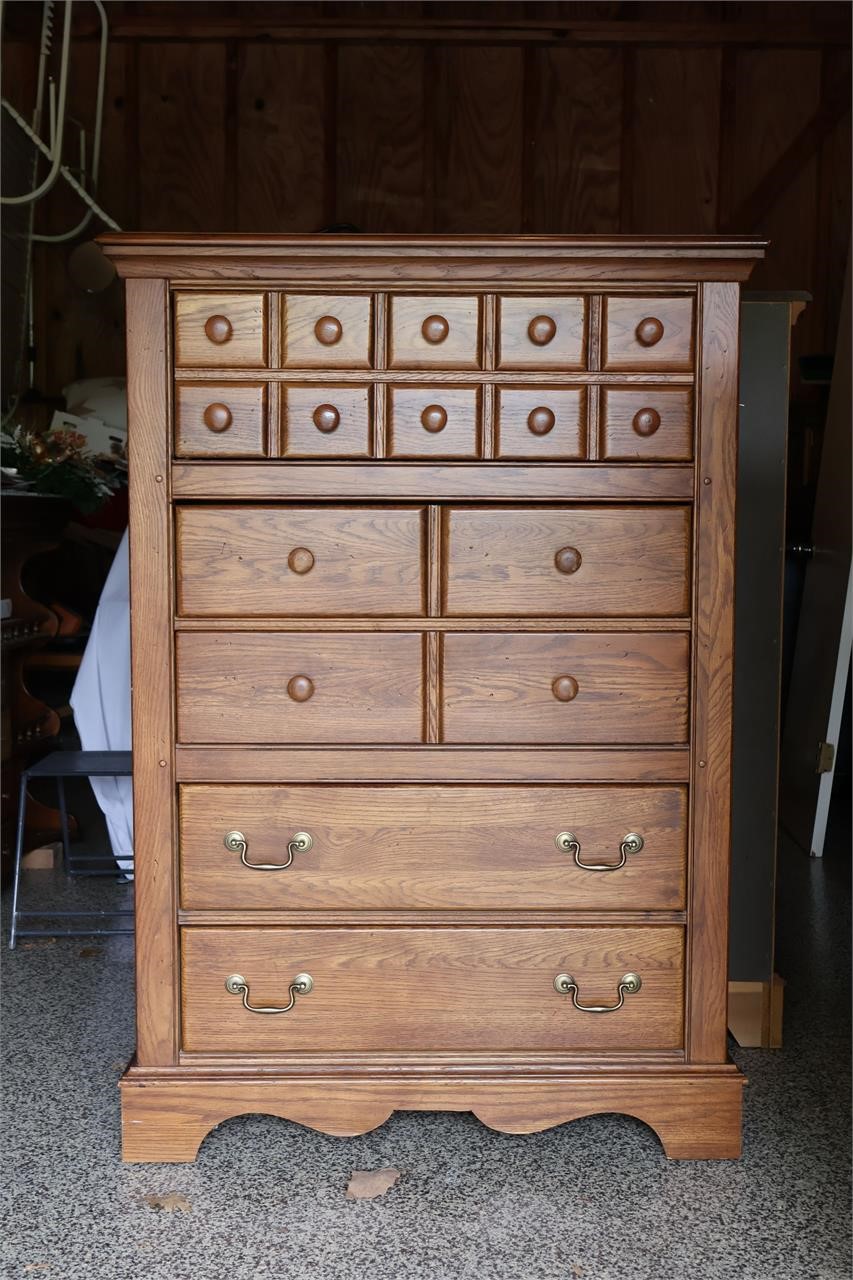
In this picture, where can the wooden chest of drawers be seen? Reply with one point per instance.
(432, 581)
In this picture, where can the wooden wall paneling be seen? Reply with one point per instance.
(674, 119)
(281, 98)
(380, 126)
(182, 104)
(477, 128)
(576, 124)
(833, 218)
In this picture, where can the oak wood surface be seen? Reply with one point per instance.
(433, 422)
(326, 421)
(623, 344)
(642, 424)
(596, 561)
(220, 419)
(430, 989)
(432, 847)
(499, 688)
(541, 422)
(434, 332)
(320, 331)
(242, 561)
(237, 321)
(234, 687)
(559, 324)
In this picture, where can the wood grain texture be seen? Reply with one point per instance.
(445, 847)
(625, 423)
(198, 432)
(697, 1116)
(238, 561)
(431, 989)
(308, 319)
(622, 347)
(151, 664)
(434, 332)
(562, 343)
(478, 139)
(713, 674)
(537, 422)
(577, 130)
(632, 688)
(239, 319)
(433, 422)
(329, 421)
(280, 101)
(233, 687)
(630, 561)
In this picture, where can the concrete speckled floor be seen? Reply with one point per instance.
(595, 1200)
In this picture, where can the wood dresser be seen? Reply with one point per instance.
(432, 581)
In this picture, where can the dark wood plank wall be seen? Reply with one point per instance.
(669, 118)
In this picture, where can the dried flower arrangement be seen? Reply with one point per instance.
(57, 462)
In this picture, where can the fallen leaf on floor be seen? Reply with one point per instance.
(577, 1269)
(91, 951)
(33, 944)
(37, 1266)
(171, 1201)
(120, 1064)
(367, 1184)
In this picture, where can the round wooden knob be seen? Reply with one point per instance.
(568, 560)
(217, 417)
(434, 418)
(646, 422)
(565, 688)
(326, 418)
(300, 688)
(540, 421)
(435, 329)
(218, 329)
(541, 330)
(328, 330)
(649, 331)
(300, 560)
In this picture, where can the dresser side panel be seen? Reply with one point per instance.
(151, 592)
(713, 673)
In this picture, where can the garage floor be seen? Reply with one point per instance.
(595, 1199)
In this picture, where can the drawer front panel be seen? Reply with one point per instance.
(647, 424)
(402, 989)
(433, 847)
(220, 419)
(326, 422)
(569, 561)
(225, 330)
(326, 332)
(261, 688)
(299, 561)
(541, 333)
(648, 333)
(434, 422)
(570, 688)
(434, 333)
(541, 423)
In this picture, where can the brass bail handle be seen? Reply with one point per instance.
(569, 843)
(236, 842)
(302, 985)
(565, 985)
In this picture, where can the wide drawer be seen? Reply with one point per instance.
(562, 561)
(266, 687)
(251, 561)
(565, 687)
(432, 847)
(403, 990)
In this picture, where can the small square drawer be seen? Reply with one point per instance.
(326, 422)
(648, 333)
(290, 561)
(220, 420)
(434, 333)
(226, 330)
(541, 422)
(541, 333)
(324, 332)
(567, 561)
(272, 687)
(572, 688)
(647, 423)
(433, 422)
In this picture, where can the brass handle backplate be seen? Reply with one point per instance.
(569, 843)
(236, 842)
(565, 985)
(301, 985)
